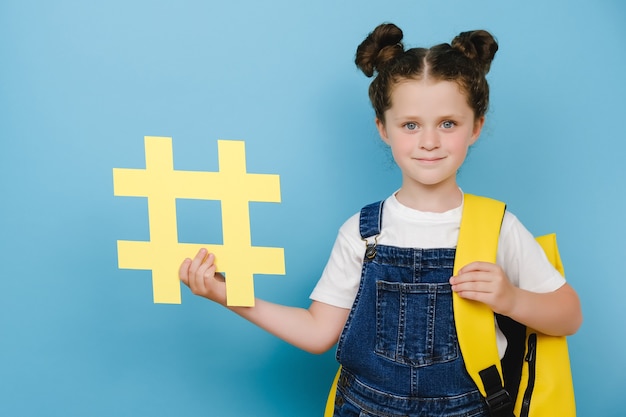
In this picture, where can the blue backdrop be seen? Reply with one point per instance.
(81, 84)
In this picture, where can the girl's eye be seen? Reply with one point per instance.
(411, 126)
(448, 124)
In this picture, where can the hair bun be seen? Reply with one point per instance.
(381, 47)
(477, 45)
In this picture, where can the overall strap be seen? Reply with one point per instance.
(371, 219)
(370, 223)
(478, 241)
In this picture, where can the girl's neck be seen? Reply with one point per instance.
(431, 199)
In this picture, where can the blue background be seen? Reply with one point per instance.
(81, 84)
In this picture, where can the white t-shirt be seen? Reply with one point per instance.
(519, 255)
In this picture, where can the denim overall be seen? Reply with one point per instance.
(398, 350)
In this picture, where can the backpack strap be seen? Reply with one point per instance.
(478, 241)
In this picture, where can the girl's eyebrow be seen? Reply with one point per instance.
(415, 117)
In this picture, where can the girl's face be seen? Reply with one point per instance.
(429, 128)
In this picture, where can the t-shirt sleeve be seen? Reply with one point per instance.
(340, 279)
(523, 259)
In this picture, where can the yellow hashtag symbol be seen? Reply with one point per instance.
(232, 185)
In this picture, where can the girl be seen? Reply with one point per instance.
(402, 358)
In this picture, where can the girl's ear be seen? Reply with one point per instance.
(380, 125)
(478, 127)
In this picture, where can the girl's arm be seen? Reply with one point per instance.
(556, 313)
(315, 329)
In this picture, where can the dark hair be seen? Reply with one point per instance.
(465, 61)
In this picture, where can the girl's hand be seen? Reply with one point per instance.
(487, 283)
(200, 276)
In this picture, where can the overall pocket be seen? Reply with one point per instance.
(415, 323)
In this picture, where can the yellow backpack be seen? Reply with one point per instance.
(537, 376)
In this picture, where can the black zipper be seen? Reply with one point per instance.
(531, 359)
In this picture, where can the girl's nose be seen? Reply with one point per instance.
(429, 140)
